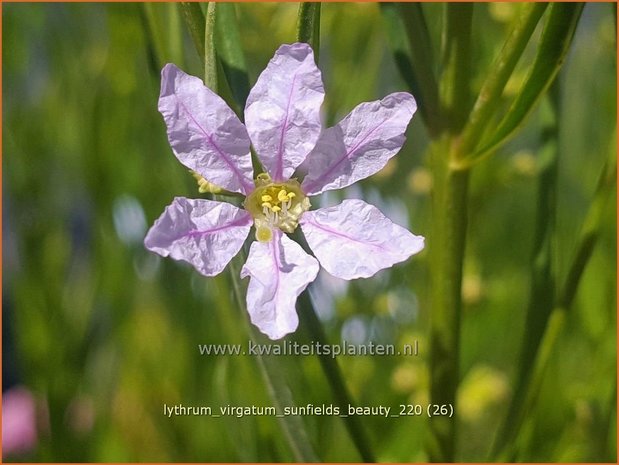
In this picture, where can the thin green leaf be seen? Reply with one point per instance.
(528, 387)
(420, 46)
(499, 73)
(194, 19)
(156, 33)
(542, 287)
(231, 54)
(590, 230)
(398, 42)
(174, 34)
(555, 43)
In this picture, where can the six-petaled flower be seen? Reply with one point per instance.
(282, 122)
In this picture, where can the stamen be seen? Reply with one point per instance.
(282, 195)
(275, 205)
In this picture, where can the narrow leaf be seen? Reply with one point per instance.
(423, 65)
(194, 19)
(230, 52)
(156, 33)
(542, 285)
(555, 43)
(499, 73)
(174, 33)
(396, 35)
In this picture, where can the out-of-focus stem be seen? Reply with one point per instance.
(292, 426)
(308, 30)
(343, 399)
(529, 387)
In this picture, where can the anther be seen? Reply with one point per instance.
(282, 195)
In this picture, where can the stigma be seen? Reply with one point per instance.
(276, 205)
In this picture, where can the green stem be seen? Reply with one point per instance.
(210, 54)
(308, 26)
(279, 392)
(454, 86)
(501, 70)
(333, 374)
(449, 207)
(449, 218)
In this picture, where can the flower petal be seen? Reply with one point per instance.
(360, 144)
(355, 240)
(282, 113)
(204, 233)
(279, 271)
(204, 132)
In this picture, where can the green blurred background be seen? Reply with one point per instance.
(103, 333)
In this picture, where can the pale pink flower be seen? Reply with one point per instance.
(282, 122)
(19, 422)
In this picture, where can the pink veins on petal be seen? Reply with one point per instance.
(282, 122)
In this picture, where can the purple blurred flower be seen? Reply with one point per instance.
(282, 122)
(19, 422)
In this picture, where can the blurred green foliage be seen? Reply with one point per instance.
(105, 333)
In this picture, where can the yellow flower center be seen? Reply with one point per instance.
(275, 205)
